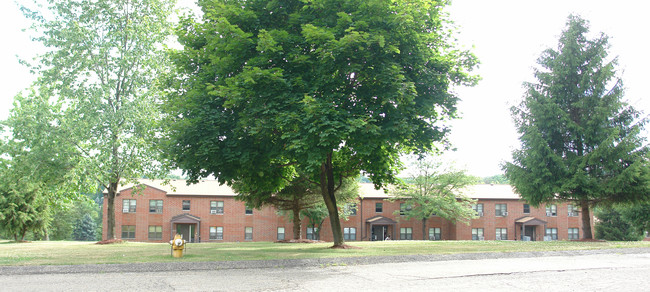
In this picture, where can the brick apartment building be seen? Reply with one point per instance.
(208, 211)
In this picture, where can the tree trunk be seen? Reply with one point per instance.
(327, 191)
(110, 219)
(424, 228)
(297, 224)
(586, 220)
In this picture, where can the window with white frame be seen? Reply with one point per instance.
(574, 234)
(216, 233)
(155, 232)
(249, 211)
(434, 233)
(500, 210)
(551, 210)
(379, 207)
(526, 209)
(406, 233)
(501, 234)
(248, 233)
(128, 206)
(349, 233)
(128, 231)
(216, 207)
(156, 206)
(478, 208)
(572, 210)
(551, 233)
(280, 233)
(477, 234)
(186, 205)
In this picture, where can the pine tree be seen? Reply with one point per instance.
(580, 140)
(84, 229)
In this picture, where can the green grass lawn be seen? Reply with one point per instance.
(75, 253)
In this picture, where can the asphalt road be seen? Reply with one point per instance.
(610, 270)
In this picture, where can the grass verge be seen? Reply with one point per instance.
(76, 253)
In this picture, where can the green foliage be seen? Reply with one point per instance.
(498, 179)
(102, 63)
(21, 210)
(331, 87)
(436, 190)
(611, 226)
(84, 229)
(637, 215)
(580, 141)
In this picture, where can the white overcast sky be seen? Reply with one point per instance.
(507, 35)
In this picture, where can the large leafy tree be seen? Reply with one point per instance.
(102, 61)
(436, 190)
(332, 87)
(580, 141)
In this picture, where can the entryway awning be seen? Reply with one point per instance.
(380, 220)
(186, 218)
(529, 220)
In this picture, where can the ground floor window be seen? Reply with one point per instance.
(574, 233)
(128, 231)
(477, 234)
(350, 233)
(155, 232)
(216, 233)
(248, 233)
(551, 233)
(434, 233)
(501, 234)
(280, 233)
(406, 233)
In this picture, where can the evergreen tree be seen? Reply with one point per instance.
(580, 141)
(612, 226)
(84, 229)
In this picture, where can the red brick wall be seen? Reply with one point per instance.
(265, 222)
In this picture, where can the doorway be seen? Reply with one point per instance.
(529, 232)
(379, 232)
(188, 231)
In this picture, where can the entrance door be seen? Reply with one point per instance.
(187, 230)
(530, 232)
(379, 232)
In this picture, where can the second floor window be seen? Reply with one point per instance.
(572, 210)
(379, 207)
(155, 206)
(351, 209)
(501, 210)
(551, 210)
(478, 208)
(186, 205)
(403, 208)
(249, 211)
(216, 207)
(128, 206)
(526, 208)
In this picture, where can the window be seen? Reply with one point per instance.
(501, 210)
(477, 234)
(128, 231)
(128, 206)
(311, 233)
(434, 233)
(186, 205)
(501, 234)
(526, 209)
(572, 210)
(249, 211)
(406, 233)
(155, 232)
(248, 233)
(280, 233)
(155, 206)
(552, 233)
(379, 207)
(351, 209)
(478, 208)
(403, 208)
(350, 233)
(574, 234)
(216, 207)
(216, 233)
(551, 210)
